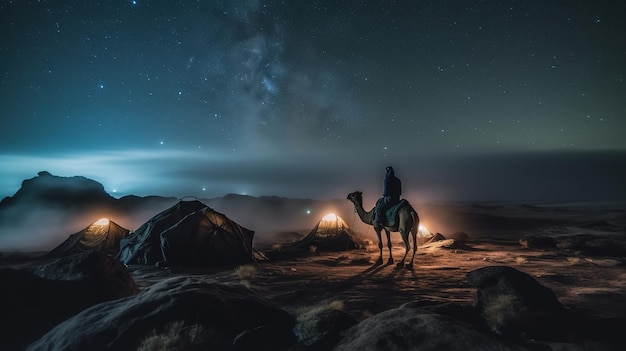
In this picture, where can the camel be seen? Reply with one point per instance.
(408, 220)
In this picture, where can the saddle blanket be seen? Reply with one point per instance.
(392, 213)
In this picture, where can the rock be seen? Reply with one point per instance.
(264, 337)
(32, 305)
(228, 310)
(179, 336)
(409, 329)
(320, 329)
(105, 273)
(442, 244)
(431, 239)
(461, 312)
(594, 245)
(514, 304)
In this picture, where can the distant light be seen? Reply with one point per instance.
(114, 190)
(203, 189)
(102, 221)
(161, 143)
(422, 231)
(330, 217)
(308, 211)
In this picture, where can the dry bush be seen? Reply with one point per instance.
(501, 311)
(277, 247)
(574, 260)
(246, 272)
(521, 260)
(177, 336)
(307, 318)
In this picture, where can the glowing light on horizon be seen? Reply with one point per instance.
(330, 217)
(423, 231)
(102, 221)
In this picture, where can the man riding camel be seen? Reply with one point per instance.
(392, 189)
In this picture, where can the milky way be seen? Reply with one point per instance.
(312, 99)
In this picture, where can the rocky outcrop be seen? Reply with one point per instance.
(32, 305)
(63, 192)
(217, 309)
(321, 328)
(412, 329)
(514, 304)
(106, 274)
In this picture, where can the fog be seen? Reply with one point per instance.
(437, 188)
(273, 219)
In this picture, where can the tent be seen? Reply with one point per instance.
(331, 233)
(102, 235)
(143, 246)
(188, 233)
(207, 237)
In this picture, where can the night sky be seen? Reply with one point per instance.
(468, 100)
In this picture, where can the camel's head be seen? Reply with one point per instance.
(356, 197)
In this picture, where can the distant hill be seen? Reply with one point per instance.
(69, 194)
(52, 207)
(49, 190)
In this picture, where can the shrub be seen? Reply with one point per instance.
(307, 318)
(176, 336)
(246, 272)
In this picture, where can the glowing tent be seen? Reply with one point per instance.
(103, 235)
(188, 233)
(331, 233)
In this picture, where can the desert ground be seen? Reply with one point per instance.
(576, 250)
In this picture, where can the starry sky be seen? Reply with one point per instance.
(468, 100)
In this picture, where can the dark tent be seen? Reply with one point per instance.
(188, 233)
(103, 235)
(330, 234)
(143, 246)
(207, 237)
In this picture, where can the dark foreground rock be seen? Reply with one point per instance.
(514, 304)
(217, 313)
(412, 329)
(31, 305)
(104, 273)
(321, 328)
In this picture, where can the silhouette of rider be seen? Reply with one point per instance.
(392, 189)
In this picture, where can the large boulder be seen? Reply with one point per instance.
(32, 305)
(106, 274)
(514, 303)
(320, 328)
(412, 329)
(210, 308)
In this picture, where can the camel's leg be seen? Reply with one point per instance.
(380, 246)
(405, 239)
(410, 265)
(389, 246)
(414, 236)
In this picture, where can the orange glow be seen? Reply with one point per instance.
(102, 221)
(330, 217)
(423, 231)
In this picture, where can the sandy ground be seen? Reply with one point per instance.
(593, 283)
(596, 285)
(591, 280)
